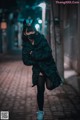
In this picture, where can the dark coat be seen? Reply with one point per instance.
(41, 59)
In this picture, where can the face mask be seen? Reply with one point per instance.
(32, 36)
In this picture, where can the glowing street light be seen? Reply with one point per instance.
(3, 24)
(42, 5)
(37, 26)
(39, 21)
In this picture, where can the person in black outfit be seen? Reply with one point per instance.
(37, 52)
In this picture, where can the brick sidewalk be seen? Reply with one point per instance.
(19, 98)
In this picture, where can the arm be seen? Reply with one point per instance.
(26, 48)
(42, 50)
(27, 60)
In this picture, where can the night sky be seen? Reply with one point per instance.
(8, 4)
(20, 6)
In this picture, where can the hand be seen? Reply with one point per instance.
(33, 42)
(30, 52)
(29, 33)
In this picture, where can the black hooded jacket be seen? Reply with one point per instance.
(41, 59)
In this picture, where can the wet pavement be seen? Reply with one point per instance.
(19, 98)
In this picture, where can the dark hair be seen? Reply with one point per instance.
(29, 27)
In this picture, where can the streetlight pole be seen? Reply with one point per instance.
(43, 6)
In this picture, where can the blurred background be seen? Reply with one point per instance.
(60, 24)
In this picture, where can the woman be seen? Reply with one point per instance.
(37, 52)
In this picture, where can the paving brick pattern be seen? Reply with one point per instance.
(19, 98)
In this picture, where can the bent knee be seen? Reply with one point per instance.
(49, 87)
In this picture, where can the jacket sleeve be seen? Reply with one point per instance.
(26, 48)
(41, 51)
(27, 60)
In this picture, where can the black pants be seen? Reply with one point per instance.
(40, 92)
